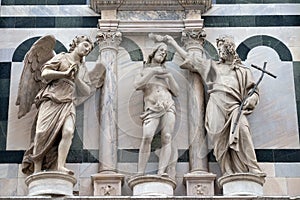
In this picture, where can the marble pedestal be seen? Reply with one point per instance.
(242, 184)
(199, 184)
(152, 185)
(107, 184)
(52, 183)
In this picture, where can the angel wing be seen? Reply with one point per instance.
(30, 83)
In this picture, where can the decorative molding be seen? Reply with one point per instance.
(242, 184)
(148, 26)
(53, 183)
(152, 185)
(98, 5)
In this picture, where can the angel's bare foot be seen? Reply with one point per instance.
(68, 171)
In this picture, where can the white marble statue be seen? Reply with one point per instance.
(53, 83)
(159, 87)
(228, 83)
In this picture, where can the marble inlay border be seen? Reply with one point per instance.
(47, 11)
(5, 70)
(254, 1)
(251, 21)
(92, 21)
(43, 2)
(131, 156)
(253, 9)
(264, 40)
(49, 22)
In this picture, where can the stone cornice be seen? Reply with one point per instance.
(147, 26)
(142, 5)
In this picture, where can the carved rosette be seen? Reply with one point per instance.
(193, 39)
(108, 39)
(200, 190)
(108, 190)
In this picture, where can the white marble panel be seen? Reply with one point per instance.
(86, 187)
(8, 186)
(47, 10)
(91, 126)
(22, 189)
(287, 170)
(150, 15)
(252, 9)
(88, 169)
(268, 168)
(293, 185)
(18, 130)
(275, 187)
(6, 54)
(274, 121)
(295, 52)
(8, 170)
(14, 37)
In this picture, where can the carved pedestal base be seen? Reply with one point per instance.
(152, 185)
(109, 184)
(199, 184)
(52, 183)
(242, 184)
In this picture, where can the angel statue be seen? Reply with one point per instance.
(53, 83)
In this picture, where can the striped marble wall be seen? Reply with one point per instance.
(262, 31)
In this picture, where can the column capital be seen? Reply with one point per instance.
(108, 39)
(193, 39)
(108, 34)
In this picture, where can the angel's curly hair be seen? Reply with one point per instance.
(78, 39)
(228, 42)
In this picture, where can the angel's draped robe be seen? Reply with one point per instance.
(225, 97)
(55, 103)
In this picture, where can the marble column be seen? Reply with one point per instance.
(108, 42)
(109, 39)
(193, 43)
(199, 182)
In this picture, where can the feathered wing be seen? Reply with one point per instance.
(97, 75)
(30, 83)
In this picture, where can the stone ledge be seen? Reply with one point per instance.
(135, 5)
(159, 198)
